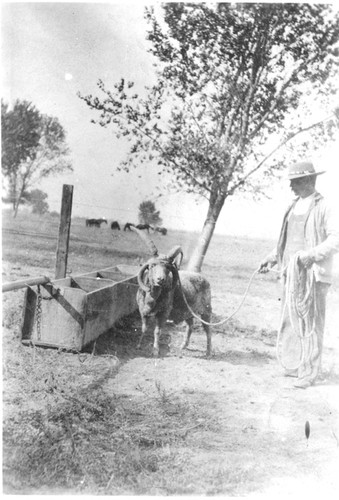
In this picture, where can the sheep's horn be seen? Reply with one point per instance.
(141, 278)
(150, 244)
(174, 253)
(175, 276)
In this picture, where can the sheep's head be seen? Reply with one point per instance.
(161, 271)
(157, 274)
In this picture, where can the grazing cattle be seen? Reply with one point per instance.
(91, 222)
(128, 226)
(161, 230)
(144, 226)
(115, 225)
(95, 222)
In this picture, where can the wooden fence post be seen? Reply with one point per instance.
(64, 231)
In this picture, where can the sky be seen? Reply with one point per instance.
(51, 51)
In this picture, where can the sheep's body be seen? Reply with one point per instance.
(164, 301)
(161, 293)
(197, 292)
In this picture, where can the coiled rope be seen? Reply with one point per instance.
(300, 305)
(229, 317)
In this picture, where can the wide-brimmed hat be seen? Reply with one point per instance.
(302, 169)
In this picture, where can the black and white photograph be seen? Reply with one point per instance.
(170, 249)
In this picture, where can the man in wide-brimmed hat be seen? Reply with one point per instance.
(308, 240)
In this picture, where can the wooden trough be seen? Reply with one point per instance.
(71, 312)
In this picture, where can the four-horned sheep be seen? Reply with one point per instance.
(163, 293)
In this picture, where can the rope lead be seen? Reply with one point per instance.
(229, 317)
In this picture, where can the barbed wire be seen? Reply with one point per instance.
(120, 210)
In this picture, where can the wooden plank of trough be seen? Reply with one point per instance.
(64, 231)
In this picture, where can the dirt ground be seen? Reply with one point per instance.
(253, 424)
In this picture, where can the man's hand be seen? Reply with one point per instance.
(266, 265)
(305, 258)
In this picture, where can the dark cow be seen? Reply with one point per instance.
(95, 222)
(128, 226)
(115, 225)
(91, 222)
(144, 226)
(161, 230)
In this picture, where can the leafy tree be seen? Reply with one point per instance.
(37, 199)
(148, 214)
(229, 78)
(33, 147)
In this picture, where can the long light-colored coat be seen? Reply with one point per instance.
(321, 237)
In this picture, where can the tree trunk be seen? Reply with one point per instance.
(13, 196)
(214, 209)
(15, 208)
(17, 201)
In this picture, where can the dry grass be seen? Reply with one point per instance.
(63, 434)
(94, 443)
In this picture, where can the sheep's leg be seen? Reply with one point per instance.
(157, 333)
(159, 323)
(208, 334)
(188, 332)
(144, 326)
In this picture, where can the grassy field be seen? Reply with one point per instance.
(31, 234)
(73, 423)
